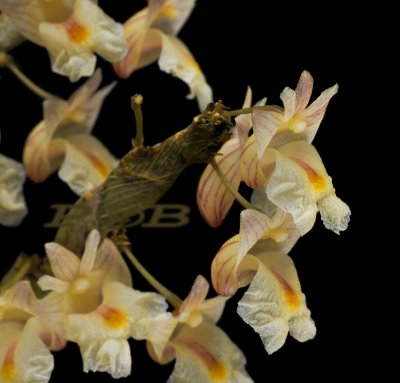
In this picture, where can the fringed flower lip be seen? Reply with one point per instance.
(101, 310)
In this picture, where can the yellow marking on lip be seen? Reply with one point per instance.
(292, 299)
(100, 166)
(217, 370)
(7, 371)
(296, 124)
(76, 32)
(317, 180)
(278, 234)
(113, 317)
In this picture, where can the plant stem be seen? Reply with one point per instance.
(170, 296)
(237, 112)
(7, 61)
(136, 102)
(243, 201)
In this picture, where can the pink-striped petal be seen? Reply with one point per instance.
(250, 170)
(213, 198)
(303, 91)
(64, 263)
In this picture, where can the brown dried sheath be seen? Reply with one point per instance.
(142, 177)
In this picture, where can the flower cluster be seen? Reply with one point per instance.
(86, 297)
(290, 185)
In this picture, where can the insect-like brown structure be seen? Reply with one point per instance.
(143, 176)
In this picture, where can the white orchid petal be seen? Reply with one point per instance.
(265, 125)
(213, 198)
(111, 262)
(229, 271)
(175, 58)
(135, 30)
(274, 300)
(197, 295)
(250, 170)
(21, 296)
(335, 213)
(158, 331)
(288, 97)
(290, 189)
(112, 356)
(303, 91)
(90, 253)
(205, 354)
(86, 165)
(33, 360)
(253, 224)
(49, 283)
(12, 202)
(173, 15)
(64, 263)
(151, 48)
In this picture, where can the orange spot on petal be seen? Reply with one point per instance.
(317, 180)
(113, 317)
(7, 371)
(291, 297)
(101, 167)
(76, 32)
(217, 370)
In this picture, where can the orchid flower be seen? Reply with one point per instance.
(72, 31)
(203, 352)
(28, 331)
(101, 309)
(62, 140)
(273, 305)
(12, 203)
(298, 183)
(296, 121)
(213, 198)
(150, 34)
(280, 164)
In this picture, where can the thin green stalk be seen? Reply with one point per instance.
(237, 112)
(170, 296)
(243, 201)
(7, 61)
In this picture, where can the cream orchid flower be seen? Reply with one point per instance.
(151, 36)
(12, 202)
(28, 330)
(203, 352)
(296, 121)
(101, 310)
(63, 141)
(297, 182)
(213, 198)
(72, 31)
(299, 185)
(273, 305)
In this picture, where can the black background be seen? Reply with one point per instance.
(237, 44)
